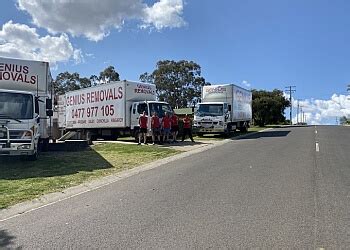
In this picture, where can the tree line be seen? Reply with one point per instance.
(179, 83)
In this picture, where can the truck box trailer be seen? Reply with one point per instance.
(223, 108)
(25, 106)
(109, 110)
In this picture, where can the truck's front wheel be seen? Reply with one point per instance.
(32, 157)
(136, 135)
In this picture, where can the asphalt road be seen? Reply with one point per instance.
(275, 189)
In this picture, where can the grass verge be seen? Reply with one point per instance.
(55, 171)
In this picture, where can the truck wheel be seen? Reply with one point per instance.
(229, 130)
(33, 157)
(243, 129)
(114, 137)
(45, 145)
(136, 135)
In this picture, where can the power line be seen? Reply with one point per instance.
(290, 90)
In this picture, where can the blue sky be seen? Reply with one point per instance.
(261, 44)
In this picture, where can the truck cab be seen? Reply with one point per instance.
(213, 117)
(19, 124)
(149, 107)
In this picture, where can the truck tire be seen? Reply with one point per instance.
(33, 157)
(136, 135)
(244, 128)
(114, 137)
(229, 130)
(45, 145)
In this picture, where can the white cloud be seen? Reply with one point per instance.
(164, 14)
(21, 41)
(319, 111)
(95, 19)
(246, 84)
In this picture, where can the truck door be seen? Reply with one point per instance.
(137, 109)
(134, 115)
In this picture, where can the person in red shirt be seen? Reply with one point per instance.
(187, 128)
(174, 126)
(155, 125)
(143, 121)
(166, 125)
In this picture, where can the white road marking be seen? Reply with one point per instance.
(317, 147)
(315, 131)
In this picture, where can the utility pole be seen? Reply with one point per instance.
(298, 113)
(291, 90)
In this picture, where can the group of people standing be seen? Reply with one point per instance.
(166, 127)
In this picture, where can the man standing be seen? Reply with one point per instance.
(155, 125)
(166, 124)
(174, 126)
(143, 120)
(187, 128)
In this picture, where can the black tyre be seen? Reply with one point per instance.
(243, 129)
(136, 135)
(33, 157)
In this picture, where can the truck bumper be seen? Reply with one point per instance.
(17, 149)
(211, 130)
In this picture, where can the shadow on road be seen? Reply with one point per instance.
(51, 164)
(6, 240)
(266, 134)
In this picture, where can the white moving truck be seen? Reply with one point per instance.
(109, 110)
(223, 108)
(25, 107)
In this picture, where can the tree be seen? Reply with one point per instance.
(343, 120)
(66, 82)
(108, 74)
(269, 106)
(179, 83)
(94, 79)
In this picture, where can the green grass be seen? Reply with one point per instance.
(55, 171)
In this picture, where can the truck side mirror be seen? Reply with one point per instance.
(192, 109)
(48, 103)
(36, 106)
(229, 107)
(49, 112)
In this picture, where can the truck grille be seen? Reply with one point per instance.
(14, 134)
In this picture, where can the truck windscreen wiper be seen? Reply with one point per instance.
(9, 117)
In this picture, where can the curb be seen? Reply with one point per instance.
(52, 198)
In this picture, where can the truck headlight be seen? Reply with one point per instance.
(24, 146)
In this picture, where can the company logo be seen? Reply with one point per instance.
(16, 73)
(242, 96)
(216, 90)
(144, 89)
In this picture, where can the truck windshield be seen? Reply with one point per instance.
(16, 106)
(160, 109)
(210, 110)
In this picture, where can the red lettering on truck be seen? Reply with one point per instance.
(17, 73)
